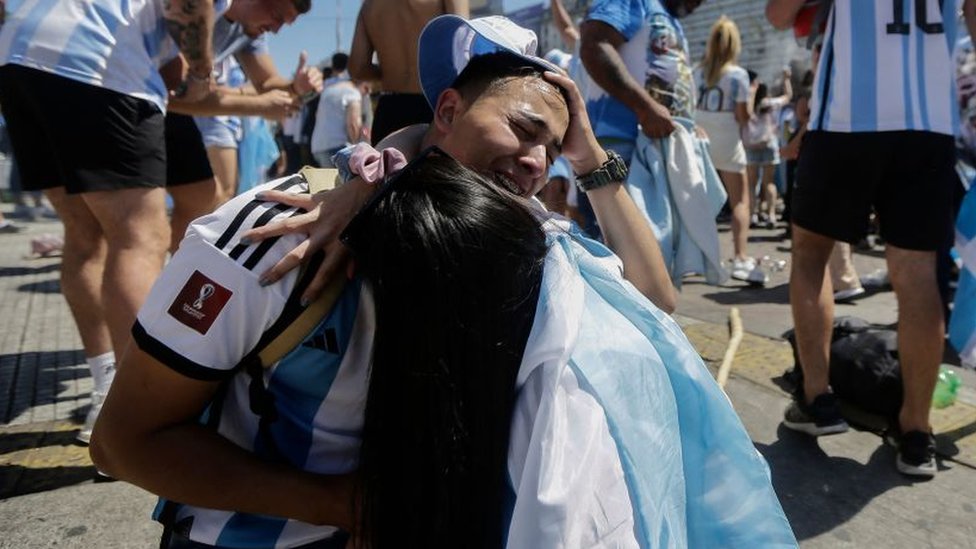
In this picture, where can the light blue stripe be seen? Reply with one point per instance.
(920, 78)
(91, 42)
(962, 323)
(25, 33)
(251, 531)
(950, 24)
(302, 380)
(864, 67)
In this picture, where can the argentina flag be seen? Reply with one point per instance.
(962, 324)
(620, 435)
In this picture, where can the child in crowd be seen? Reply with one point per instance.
(762, 147)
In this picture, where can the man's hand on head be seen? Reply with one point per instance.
(580, 146)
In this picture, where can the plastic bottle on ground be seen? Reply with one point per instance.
(946, 387)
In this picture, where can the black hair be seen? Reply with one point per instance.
(491, 71)
(454, 263)
(302, 6)
(339, 61)
(753, 75)
(762, 91)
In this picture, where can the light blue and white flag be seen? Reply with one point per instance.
(962, 324)
(620, 436)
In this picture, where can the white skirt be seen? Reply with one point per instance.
(725, 140)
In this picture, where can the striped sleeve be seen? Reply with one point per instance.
(207, 309)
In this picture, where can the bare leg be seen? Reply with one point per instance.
(190, 201)
(843, 275)
(812, 303)
(82, 266)
(735, 185)
(223, 161)
(134, 225)
(752, 183)
(769, 191)
(921, 331)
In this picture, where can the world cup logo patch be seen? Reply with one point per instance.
(199, 302)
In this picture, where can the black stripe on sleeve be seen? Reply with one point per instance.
(175, 361)
(265, 218)
(235, 225)
(263, 248)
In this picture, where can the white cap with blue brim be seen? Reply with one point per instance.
(449, 42)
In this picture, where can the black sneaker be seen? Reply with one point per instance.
(916, 453)
(822, 417)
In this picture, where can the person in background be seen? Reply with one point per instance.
(870, 148)
(761, 141)
(104, 180)
(723, 112)
(338, 118)
(390, 28)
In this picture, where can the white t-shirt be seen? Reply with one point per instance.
(114, 45)
(732, 87)
(330, 118)
(881, 71)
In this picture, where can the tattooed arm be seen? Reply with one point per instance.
(190, 23)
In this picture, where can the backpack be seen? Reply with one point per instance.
(864, 366)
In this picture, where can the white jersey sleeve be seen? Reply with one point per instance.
(207, 310)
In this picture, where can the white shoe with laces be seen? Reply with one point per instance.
(748, 271)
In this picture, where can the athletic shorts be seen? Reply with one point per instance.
(186, 157)
(220, 131)
(906, 177)
(395, 111)
(78, 136)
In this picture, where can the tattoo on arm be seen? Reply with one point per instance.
(190, 23)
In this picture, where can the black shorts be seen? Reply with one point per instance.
(395, 111)
(78, 136)
(906, 177)
(186, 155)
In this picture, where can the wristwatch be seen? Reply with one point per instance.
(614, 170)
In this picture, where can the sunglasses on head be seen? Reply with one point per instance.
(392, 182)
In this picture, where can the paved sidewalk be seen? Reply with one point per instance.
(838, 491)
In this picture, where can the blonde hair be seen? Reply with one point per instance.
(722, 49)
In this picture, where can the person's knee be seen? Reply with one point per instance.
(911, 270)
(132, 218)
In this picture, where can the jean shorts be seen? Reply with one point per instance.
(762, 156)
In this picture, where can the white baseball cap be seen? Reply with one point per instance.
(449, 42)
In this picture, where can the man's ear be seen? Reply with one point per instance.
(449, 105)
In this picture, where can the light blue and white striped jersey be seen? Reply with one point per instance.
(887, 70)
(208, 311)
(732, 87)
(114, 45)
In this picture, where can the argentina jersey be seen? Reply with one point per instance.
(208, 313)
(885, 66)
(106, 43)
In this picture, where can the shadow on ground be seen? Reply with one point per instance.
(41, 374)
(25, 271)
(741, 295)
(820, 493)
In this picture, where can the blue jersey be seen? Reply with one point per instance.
(208, 311)
(883, 69)
(656, 55)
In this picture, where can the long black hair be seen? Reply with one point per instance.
(454, 263)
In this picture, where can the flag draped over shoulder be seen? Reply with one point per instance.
(962, 324)
(620, 435)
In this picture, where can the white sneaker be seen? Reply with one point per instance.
(84, 436)
(748, 271)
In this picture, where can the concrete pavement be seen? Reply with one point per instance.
(839, 491)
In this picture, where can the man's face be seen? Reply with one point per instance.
(261, 16)
(681, 8)
(514, 130)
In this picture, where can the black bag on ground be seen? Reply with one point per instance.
(864, 367)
